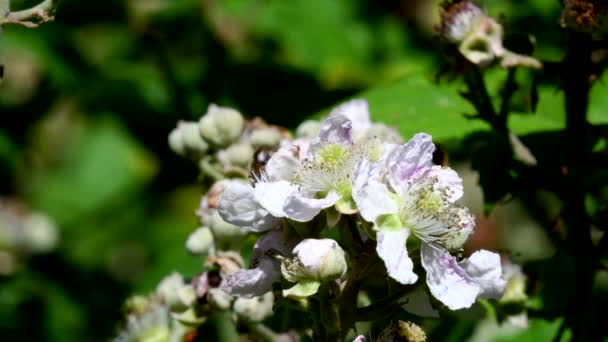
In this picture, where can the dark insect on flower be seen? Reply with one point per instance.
(260, 158)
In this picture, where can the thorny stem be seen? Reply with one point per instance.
(29, 17)
(508, 91)
(480, 98)
(578, 68)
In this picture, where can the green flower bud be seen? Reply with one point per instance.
(200, 241)
(265, 137)
(175, 293)
(137, 305)
(221, 126)
(238, 155)
(315, 260)
(308, 129)
(39, 233)
(186, 141)
(254, 309)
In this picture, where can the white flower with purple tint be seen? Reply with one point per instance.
(265, 267)
(405, 194)
(305, 177)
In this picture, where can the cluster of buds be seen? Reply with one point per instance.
(22, 234)
(223, 142)
(478, 37)
(178, 306)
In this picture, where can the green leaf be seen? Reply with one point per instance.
(417, 104)
(99, 168)
(302, 289)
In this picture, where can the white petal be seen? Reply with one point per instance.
(303, 209)
(448, 182)
(409, 160)
(254, 282)
(484, 267)
(239, 207)
(374, 200)
(392, 249)
(282, 165)
(448, 282)
(357, 111)
(335, 129)
(272, 196)
(418, 303)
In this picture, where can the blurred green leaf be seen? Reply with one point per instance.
(328, 38)
(101, 167)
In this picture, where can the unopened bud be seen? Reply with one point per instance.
(265, 137)
(315, 259)
(175, 293)
(308, 129)
(237, 155)
(221, 126)
(186, 141)
(225, 235)
(39, 233)
(200, 241)
(255, 309)
(402, 331)
(137, 305)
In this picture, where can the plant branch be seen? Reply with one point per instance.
(578, 68)
(31, 17)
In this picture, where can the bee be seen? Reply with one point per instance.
(260, 158)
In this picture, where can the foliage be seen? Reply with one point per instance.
(89, 98)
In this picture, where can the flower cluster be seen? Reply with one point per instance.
(394, 188)
(328, 207)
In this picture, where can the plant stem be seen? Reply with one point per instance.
(577, 66)
(481, 100)
(24, 17)
(263, 332)
(508, 91)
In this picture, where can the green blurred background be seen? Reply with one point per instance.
(88, 100)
